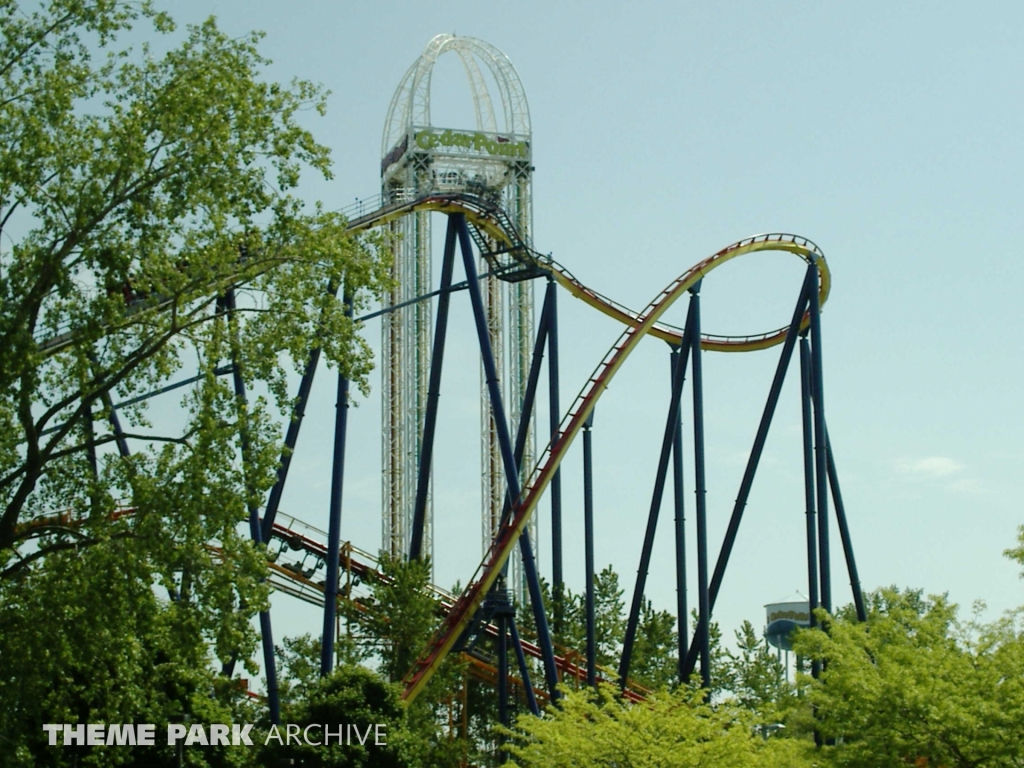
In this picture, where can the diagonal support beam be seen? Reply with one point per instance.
(292, 435)
(255, 529)
(524, 670)
(810, 285)
(844, 533)
(807, 425)
(678, 376)
(115, 421)
(807, 366)
(530, 396)
(682, 609)
(327, 637)
(703, 637)
(588, 549)
(507, 454)
(419, 517)
(820, 450)
(554, 415)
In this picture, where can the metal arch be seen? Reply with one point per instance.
(417, 111)
(397, 119)
(410, 104)
(482, 104)
(513, 97)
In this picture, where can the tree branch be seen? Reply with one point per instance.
(24, 562)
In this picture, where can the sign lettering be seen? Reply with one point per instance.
(477, 142)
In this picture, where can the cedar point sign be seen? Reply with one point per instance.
(493, 144)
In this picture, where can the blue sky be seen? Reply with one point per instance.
(890, 134)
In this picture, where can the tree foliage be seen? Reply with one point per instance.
(1017, 553)
(399, 617)
(654, 652)
(669, 729)
(755, 676)
(151, 228)
(655, 662)
(351, 697)
(389, 629)
(137, 190)
(86, 640)
(915, 683)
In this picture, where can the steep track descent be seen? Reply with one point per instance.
(487, 217)
(514, 260)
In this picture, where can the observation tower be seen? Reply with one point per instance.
(492, 161)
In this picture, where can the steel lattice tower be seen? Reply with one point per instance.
(493, 161)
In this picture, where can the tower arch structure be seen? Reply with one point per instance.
(491, 160)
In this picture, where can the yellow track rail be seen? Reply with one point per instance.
(481, 214)
(487, 217)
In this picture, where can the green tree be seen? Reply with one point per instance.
(400, 615)
(669, 729)
(720, 673)
(1017, 553)
(916, 683)
(756, 676)
(609, 618)
(349, 699)
(655, 653)
(298, 663)
(149, 217)
(137, 190)
(86, 640)
(394, 625)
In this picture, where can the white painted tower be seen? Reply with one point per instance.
(492, 160)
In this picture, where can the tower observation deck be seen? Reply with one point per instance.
(492, 161)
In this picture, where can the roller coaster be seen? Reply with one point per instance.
(472, 219)
(486, 222)
(480, 181)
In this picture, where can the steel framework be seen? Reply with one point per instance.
(494, 161)
(487, 223)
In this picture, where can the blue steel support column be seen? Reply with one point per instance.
(292, 435)
(523, 429)
(809, 284)
(419, 518)
(508, 459)
(502, 614)
(115, 422)
(820, 451)
(678, 376)
(334, 521)
(90, 438)
(809, 504)
(844, 533)
(529, 398)
(524, 671)
(704, 601)
(554, 417)
(255, 529)
(588, 548)
(682, 610)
